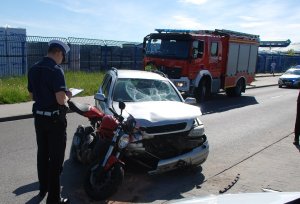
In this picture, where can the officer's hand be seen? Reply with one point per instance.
(69, 94)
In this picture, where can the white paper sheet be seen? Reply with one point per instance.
(75, 91)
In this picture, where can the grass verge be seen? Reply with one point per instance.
(14, 89)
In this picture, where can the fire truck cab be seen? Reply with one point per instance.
(202, 62)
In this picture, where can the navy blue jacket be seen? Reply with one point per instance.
(46, 78)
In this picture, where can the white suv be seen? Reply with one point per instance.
(174, 134)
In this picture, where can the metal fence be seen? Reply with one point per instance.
(283, 62)
(13, 53)
(18, 54)
(90, 54)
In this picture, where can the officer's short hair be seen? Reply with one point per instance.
(60, 45)
(57, 46)
(54, 50)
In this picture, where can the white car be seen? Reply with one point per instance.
(174, 135)
(291, 78)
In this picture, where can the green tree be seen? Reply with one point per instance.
(291, 52)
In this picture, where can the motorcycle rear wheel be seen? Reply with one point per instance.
(100, 186)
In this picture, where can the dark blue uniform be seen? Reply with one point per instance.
(46, 78)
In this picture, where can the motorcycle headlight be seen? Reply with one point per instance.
(129, 124)
(123, 141)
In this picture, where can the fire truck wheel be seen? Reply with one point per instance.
(202, 91)
(238, 88)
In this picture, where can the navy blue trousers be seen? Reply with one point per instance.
(51, 142)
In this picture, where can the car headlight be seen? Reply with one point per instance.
(123, 141)
(197, 122)
(180, 84)
(198, 128)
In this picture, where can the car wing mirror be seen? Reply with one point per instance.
(190, 100)
(99, 97)
(122, 106)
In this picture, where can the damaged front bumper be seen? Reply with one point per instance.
(193, 158)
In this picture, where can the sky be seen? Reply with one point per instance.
(132, 20)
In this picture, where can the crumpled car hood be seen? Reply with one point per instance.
(160, 112)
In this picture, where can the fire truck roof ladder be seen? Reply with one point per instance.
(237, 34)
(175, 31)
(216, 31)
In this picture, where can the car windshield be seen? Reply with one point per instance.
(133, 90)
(167, 48)
(293, 71)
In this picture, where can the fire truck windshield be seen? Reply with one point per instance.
(168, 48)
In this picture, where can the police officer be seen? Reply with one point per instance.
(47, 87)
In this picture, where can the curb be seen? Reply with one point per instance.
(269, 75)
(253, 86)
(18, 117)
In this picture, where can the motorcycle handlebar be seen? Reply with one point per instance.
(116, 115)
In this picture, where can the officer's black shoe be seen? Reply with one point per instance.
(64, 200)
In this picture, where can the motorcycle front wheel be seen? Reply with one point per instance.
(73, 154)
(101, 185)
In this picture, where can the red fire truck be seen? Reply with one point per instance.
(201, 62)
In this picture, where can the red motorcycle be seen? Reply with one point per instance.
(101, 145)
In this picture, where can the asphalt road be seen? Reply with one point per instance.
(249, 138)
(250, 144)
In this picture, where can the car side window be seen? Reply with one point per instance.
(104, 89)
(103, 84)
(106, 85)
